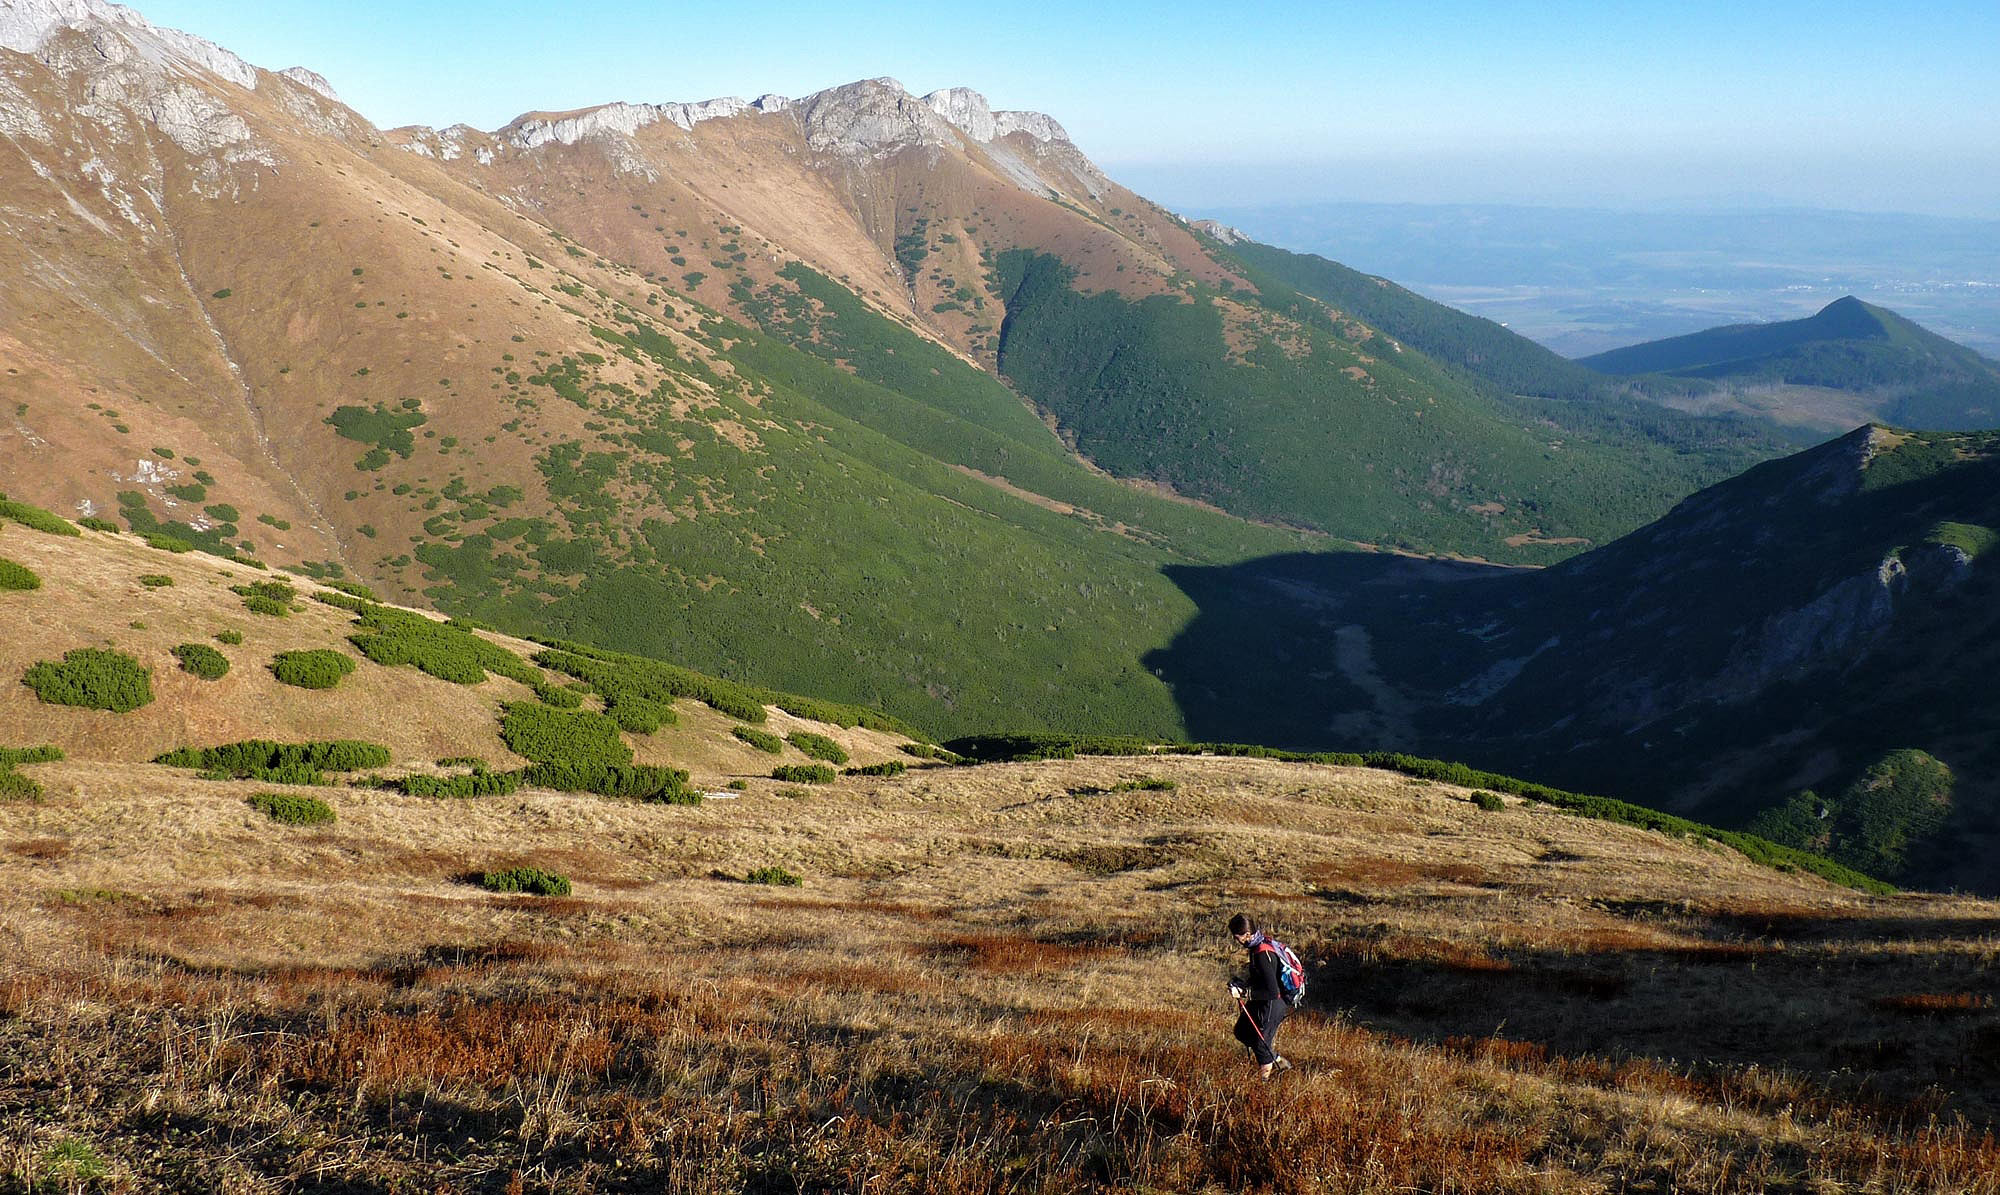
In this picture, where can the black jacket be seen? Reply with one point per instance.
(1261, 977)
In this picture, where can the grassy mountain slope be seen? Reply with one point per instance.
(1898, 371)
(207, 996)
(280, 979)
(1297, 413)
(109, 592)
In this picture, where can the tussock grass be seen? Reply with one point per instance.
(1507, 1001)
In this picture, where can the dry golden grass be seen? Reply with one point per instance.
(996, 978)
(963, 996)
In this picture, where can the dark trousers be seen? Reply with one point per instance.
(1257, 1027)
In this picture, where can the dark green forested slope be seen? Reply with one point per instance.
(1325, 423)
(1520, 376)
(1919, 378)
(779, 537)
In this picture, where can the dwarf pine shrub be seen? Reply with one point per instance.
(639, 782)
(156, 580)
(232, 638)
(1490, 802)
(292, 809)
(17, 576)
(449, 652)
(579, 739)
(278, 763)
(477, 783)
(35, 517)
(13, 785)
(267, 597)
(803, 773)
(888, 767)
(763, 740)
(817, 746)
(202, 660)
(531, 880)
(318, 668)
(777, 876)
(96, 524)
(94, 678)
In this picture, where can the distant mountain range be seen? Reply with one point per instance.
(1851, 359)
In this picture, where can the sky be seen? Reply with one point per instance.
(1644, 103)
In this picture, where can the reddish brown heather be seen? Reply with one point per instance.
(966, 996)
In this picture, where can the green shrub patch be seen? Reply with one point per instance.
(1490, 802)
(96, 524)
(763, 740)
(777, 876)
(94, 678)
(803, 773)
(231, 638)
(817, 746)
(17, 576)
(36, 518)
(890, 767)
(579, 739)
(156, 580)
(640, 782)
(318, 668)
(202, 660)
(477, 783)
(394, 637)
(274, 598)
(640, 693)
(13, 785)
(293, 809)
(532, 880)
(278, 763)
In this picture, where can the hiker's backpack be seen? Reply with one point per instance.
(1291, 976)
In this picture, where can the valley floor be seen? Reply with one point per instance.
(1003, 978)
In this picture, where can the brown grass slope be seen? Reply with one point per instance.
(221, 302)
(92, 596)
(994, 978)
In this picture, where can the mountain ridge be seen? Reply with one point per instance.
(1849, 357)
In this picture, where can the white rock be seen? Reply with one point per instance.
(311, 81)
(1039, 125)
(871, 118)
(27, 25)
(1220, 231)
(967, 111)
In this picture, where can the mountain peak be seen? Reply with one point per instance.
(27, 26)
(1849, 318)
(967, 111)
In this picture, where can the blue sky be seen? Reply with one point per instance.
(1833, 104)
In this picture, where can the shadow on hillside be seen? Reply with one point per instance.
(1288, 650)
(1910, 1033)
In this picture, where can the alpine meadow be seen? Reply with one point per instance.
(757, 646)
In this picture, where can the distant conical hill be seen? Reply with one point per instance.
(1851, 359)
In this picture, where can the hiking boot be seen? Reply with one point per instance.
(1282, 1065)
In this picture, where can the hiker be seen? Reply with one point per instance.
(1262, 999)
